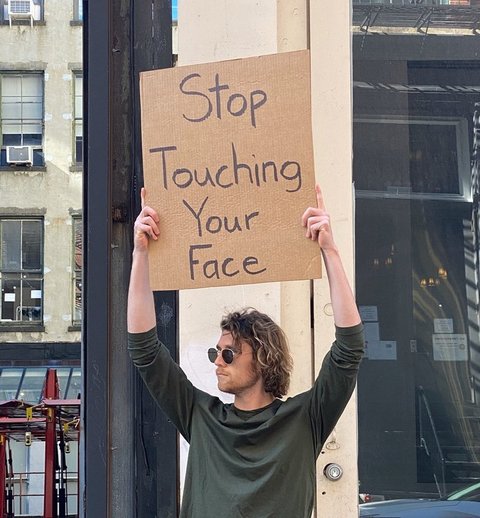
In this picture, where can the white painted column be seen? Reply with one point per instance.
(213, 31)
(330, 44)
(295, 297)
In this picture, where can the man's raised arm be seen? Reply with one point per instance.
(317, 222)
(141, 308)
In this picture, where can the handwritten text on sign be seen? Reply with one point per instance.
(228, 165)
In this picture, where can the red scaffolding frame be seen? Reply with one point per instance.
(54, 421)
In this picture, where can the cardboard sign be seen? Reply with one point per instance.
(228, 165)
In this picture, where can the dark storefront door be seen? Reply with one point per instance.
(417, 278)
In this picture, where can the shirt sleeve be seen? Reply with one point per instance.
(165, 380)
(335, 382)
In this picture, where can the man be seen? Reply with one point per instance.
(254, 458)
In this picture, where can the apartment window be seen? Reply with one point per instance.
(21, 270)
(78, 118)
(21, 118)
(21, 11)
(77, 270)
(78, 10)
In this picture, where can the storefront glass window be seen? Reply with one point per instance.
(416, 130)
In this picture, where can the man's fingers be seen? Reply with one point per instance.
(323, 218)
(149, 221)
(313, 215)
(320, 202)
(312, 212)
(319, 227)
(146, 210)
(146, 229)
(315, 223)
(310, 221)
(145, 222)
(149, 212)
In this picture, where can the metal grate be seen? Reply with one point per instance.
(418, 16)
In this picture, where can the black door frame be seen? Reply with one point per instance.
(128, 458)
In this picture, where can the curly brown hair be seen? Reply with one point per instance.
(269, 344)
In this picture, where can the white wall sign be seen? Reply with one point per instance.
(368, 313)
(382, 350)
(450, 348)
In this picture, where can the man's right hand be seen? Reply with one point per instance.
(141, 308)
(146, 226)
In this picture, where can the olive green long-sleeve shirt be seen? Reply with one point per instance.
(250, 464)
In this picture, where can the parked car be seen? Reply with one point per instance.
(464, 503)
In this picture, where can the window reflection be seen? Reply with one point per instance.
(434, 162)
(417, 277)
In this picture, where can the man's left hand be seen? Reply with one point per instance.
(317, 222)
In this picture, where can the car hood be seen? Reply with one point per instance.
(411, 508)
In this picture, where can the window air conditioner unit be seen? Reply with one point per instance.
(20, 155)
(20, 10)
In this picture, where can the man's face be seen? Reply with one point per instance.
(240, 376)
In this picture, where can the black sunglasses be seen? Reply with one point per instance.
(227, 355)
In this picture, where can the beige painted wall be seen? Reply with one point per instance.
(330, 43)
(213, 31)
(55, 47)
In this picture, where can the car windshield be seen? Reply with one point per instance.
(471, 493)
